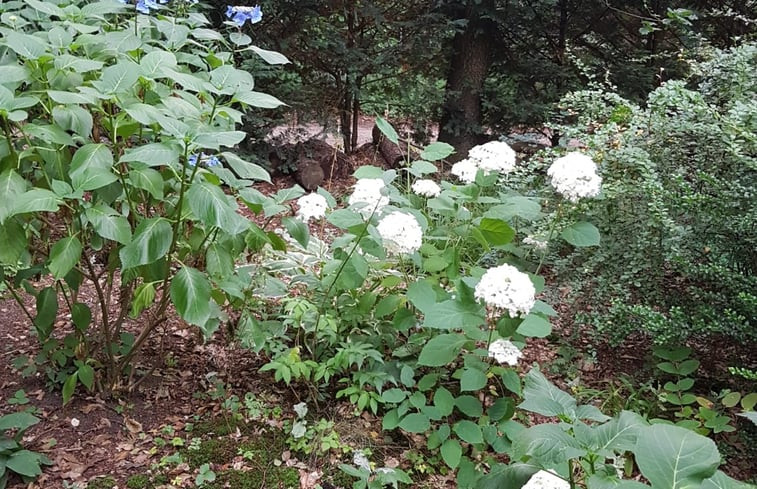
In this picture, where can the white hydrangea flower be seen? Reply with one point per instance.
(494, 156)
(401, 233)
(503, 351)
(505, 287)
(311, 206)
(575, 176)
(465, 170)
(368, 195)
(546, 479)
(361, 461)
(426, 188)
(536, 243)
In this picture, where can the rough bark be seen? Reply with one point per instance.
(472, 51)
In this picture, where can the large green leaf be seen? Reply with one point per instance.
(671, 457)
(214, 140)
(154, 154)
(468, 431)
(507, 476)
(496, 231)
(245, 169)
(109, 224)
(542, 397)
(13, 239)
(441, 350)
(722, 481)
(148, 179)
(547, 443)
(64, 255)
(581, 234)
(26, 46)
(90, 167)
(17, 421)
(118, 78)
(258, 99)
(35, 200)
(47, 311)
(151, 242)
(25, 463)
(453, 314)
(415, 423)
(387, 130)
(620, 433)
(210, 205)
(190, 294)
(451, 452)
(152, 63)
(270, 57)
(535, 326)
(437, 151)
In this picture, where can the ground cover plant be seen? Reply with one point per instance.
(410, 301)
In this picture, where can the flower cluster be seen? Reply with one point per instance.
(575, 176)
(492, 157)
(503, 351)
(401, 233)
(506, 287)
(367, 195)
(535, 242)
(208, 160)
(240, 15)
(144, 6)
(545, 479)
(361, 461)
(311, 206)
(426, 188)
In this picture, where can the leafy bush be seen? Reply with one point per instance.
(13, 457)
(112, 165)
(678, 208)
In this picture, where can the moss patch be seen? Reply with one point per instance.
(217, 451)
(142, 481)
(102, 483)
(274, 478)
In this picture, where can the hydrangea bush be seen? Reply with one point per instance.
(119, 176)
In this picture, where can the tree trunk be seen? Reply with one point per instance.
(472, 49)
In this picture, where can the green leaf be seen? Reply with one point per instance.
(512, 381)
(393, 396)
(722, 481)
(444, 400)
(258, 99)
(297, 229)
(245, 169)
(14, 73)
(90, 167)
(26, 46)
(547, 443)
(671, 457)
(75, 119)
(17, 421)
(387, 130)
(441, 350)
(214, 140)
(149, 180)
(535, 326)
(14, 244)
(86, 375)
(270, 57)
(542, 397)
(472, 379)
(151, 242)
(415, 423)
(47, 311)
(581, 234)
(470, 406)
(620, 433)
(496, 231)
(421, 294)
(345, 218)
(69, 386)
(437, 151)
(78, 65)
(118, 78)
(144, 296)
(108, 224)
(25, 463)
(35, 200)
(64, 255)
(190, 294)
(468, 431)
(505, 476)
(516, 206)
(451, 453)
(152, 63)
(81, 315)
(154, 154)
(452, 314)
(211, 206)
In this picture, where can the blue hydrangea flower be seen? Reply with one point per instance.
(240, 15)
(144, 6)
(202, 158)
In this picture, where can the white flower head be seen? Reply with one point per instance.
(575, 176)
(535, 242)
(368, 195)
(493, 157)
(506, 287)
(465, 170)
(311, 206)
(503, 351)
(75, 422)
(426, 188)
(401, 233)
(546, 479)
(361, 461)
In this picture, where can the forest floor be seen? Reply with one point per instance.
(208, 403)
